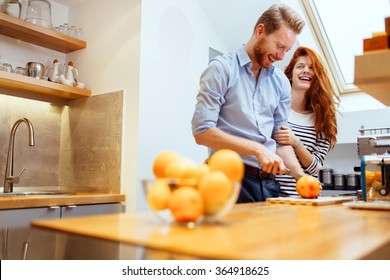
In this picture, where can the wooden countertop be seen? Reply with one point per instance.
(250, 231)
(28, 201)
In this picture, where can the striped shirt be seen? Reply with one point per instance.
(303, 128)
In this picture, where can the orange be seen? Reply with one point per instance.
(378, 176)
(161, 161)
(229, 162)
(180, 168)
(376, 185)
(308, 187)
(201, 170)
(215, 187)
(370, 176)
(158, 195)
(186, 204)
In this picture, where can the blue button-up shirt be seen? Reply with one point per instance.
(230, 99)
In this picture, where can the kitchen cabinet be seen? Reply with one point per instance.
(372, 74)
(19, 241)
(91, 209)
(37, 35)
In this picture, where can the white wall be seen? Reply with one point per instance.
(175, 39)
(111, 62)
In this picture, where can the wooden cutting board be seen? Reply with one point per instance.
(306, 201)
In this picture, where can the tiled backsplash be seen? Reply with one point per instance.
(42, 160)
(77, 146)
(91, 140)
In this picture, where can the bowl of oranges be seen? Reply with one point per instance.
(186, 193)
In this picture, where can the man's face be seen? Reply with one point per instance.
(273, 47)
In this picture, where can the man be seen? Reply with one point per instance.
(243, 98)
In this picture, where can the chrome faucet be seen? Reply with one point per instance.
(9, 178)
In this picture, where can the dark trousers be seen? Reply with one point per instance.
(255, 188)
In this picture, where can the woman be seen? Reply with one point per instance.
(313, 125)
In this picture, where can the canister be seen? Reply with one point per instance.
(326, 177)
(339, 181)
(353, 182)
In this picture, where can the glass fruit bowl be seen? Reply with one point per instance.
(185, 202)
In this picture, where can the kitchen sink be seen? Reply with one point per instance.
(24, 193)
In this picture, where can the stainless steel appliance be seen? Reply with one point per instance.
(373, 141)
(374, 153)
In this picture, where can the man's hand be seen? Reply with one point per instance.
(271, 162)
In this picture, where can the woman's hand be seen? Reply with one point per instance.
(285, 136)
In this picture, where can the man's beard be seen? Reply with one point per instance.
(260, 56)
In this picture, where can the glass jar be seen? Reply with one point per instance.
(39, 12)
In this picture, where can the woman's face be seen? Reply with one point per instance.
(302, 74)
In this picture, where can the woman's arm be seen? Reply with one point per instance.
(285, 136)
(310, 151)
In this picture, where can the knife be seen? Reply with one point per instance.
(293, 174)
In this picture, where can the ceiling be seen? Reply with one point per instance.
(234, 20)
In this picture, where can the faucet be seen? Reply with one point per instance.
(9, 178)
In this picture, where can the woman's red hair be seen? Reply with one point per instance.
(320, 97)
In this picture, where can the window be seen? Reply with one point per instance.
(340, 27)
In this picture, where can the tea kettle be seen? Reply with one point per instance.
(53, 72)
(70, 72)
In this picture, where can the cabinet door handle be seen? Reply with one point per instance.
(71, 206)
(25, 249)
(54, 207)
(5, 243)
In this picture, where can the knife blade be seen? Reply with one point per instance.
(293, 174)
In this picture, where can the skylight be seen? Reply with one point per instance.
(340, 27)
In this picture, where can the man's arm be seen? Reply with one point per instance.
(216, 139)
(286, 152)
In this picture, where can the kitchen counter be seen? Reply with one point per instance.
(250, 231)
(28, 201)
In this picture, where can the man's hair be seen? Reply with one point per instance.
(278, 14)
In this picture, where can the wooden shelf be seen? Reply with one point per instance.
(30, 85)
(37, 35)
(372, 74)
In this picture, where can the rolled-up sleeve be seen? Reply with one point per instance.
(210, 98)
(283, 110)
